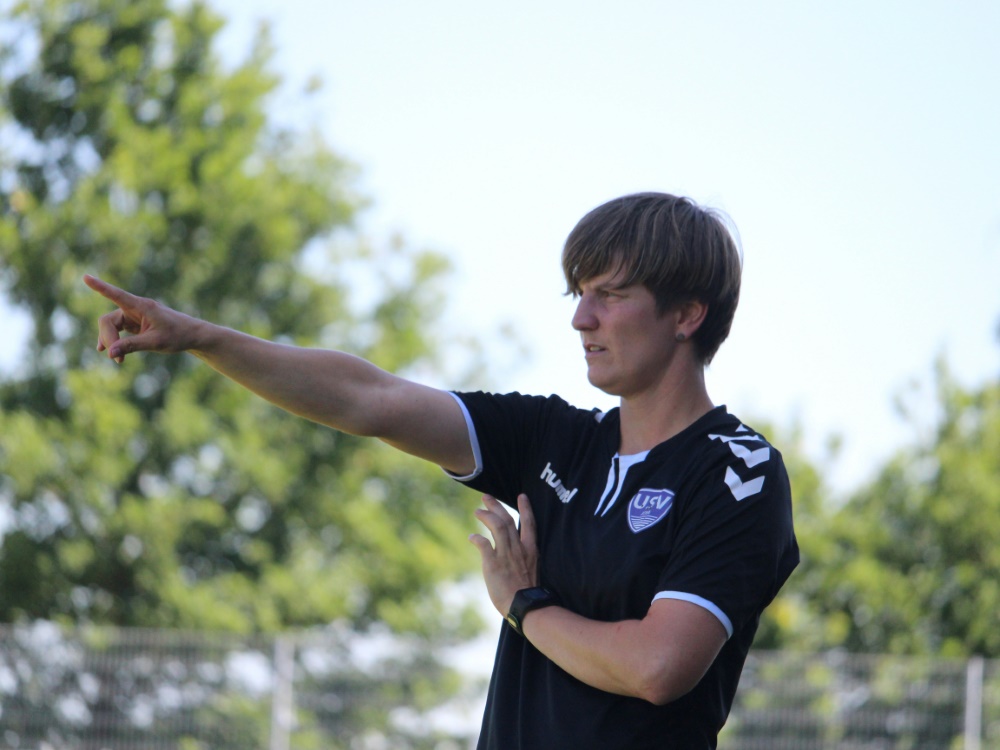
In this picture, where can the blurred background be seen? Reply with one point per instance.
(397, 180)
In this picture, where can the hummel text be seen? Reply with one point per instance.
(554, 482)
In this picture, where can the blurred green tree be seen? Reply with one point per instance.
(910, 563)
(907, 565)
(159, 494)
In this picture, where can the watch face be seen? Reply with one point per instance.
(537, 595)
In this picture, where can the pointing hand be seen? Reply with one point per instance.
(153, 327)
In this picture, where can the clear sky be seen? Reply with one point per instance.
(854, 144)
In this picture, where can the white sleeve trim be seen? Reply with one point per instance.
(704, 603)
(473, 443)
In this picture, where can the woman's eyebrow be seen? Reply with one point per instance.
(614, 286)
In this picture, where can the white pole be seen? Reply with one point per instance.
(973, 730)
(281, 697)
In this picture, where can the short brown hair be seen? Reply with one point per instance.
(678, 250)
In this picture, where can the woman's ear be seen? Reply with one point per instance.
(688, 318)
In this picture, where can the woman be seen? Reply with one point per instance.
(652, 536)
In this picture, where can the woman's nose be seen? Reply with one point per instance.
(584, 318)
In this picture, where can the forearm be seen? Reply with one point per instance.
(341, 391)
(596, 653)
(657, 659)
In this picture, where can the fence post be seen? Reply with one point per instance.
(282, 710)
(973, 730)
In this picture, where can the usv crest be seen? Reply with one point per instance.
(648, 507)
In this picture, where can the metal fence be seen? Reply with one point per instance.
(166, 690)
(796, 701)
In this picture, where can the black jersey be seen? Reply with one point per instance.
(704, 516)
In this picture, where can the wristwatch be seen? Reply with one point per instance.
(526, 600)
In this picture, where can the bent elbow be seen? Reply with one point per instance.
(660, 694)
(661, 686)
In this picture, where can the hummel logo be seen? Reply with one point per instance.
(750, 457)
(743, 489)
(555, 483)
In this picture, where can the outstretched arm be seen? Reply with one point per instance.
(333, 388)
(658, 658)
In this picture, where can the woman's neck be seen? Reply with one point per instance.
(655, 416)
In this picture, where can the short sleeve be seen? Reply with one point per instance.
(505, 428)
(735, 545)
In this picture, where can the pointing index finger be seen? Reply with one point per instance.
(119, 296)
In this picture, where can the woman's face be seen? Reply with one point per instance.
(628, 345)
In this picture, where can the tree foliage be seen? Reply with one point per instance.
(910, 563)
(157, 493)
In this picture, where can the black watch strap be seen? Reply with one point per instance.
(526, 600)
